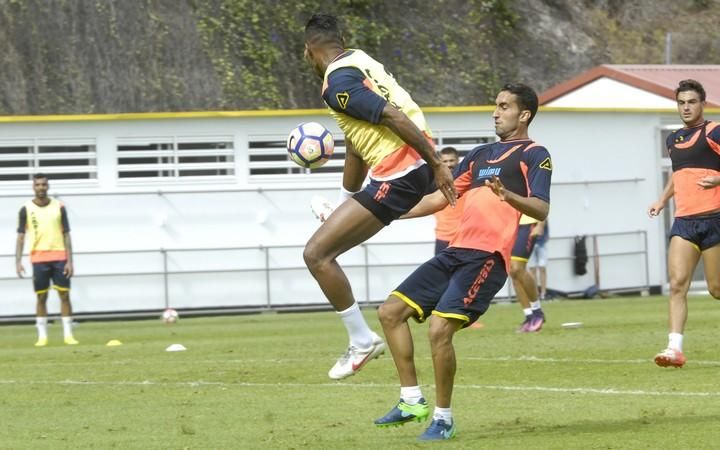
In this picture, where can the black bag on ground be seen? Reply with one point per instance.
(581, 255)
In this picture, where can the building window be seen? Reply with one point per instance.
(268, 156)
(58, 159)
(175, 158)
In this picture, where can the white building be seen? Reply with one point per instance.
(204, 211)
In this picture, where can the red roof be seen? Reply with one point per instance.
(659, 79)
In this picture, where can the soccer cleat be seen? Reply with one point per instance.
(524, 326)
(537, 319)
(438, 431)
(69, 340)
(402, 413)
(321, 207)
(355, 359)
(41, 342)
(670, 358)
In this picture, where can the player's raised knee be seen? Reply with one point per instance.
(714, 289)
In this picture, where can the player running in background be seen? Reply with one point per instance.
(45, 221)
(695, 154)
(500, 181)
(385, 133)
(448, 219)
(523, 281)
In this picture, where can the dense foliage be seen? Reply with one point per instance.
(106, 56)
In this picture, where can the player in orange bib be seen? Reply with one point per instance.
(45, 221)
(448, 219)
(500, 182)
(387, 138)
(695, 154)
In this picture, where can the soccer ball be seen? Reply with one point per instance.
(170, 316)
(310, 145)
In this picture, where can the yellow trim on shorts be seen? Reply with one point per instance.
(464, 319)
(518, 258)
(42, 291)
(60, 288)
(410, 303)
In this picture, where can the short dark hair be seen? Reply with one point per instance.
(325, 28)
(526, 97)
(39, 176)
(690, 85)
(449, 151)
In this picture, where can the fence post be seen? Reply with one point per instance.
(165, 278)
(367, 274)
(267, 275)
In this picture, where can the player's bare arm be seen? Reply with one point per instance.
(430, 204)
(406, 130)
(530, 206)
(355, 169)
(68, 270)
(709, 182)
(19, 245)
(659, 205)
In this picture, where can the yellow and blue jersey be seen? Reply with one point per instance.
(357, 88)
(45, 227)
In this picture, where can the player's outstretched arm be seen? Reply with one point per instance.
(406, 130)
(429, 204)
(659, 205)
(534, 207)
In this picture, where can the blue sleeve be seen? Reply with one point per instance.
(346, 93)
(714, 135)
(64, 220)
(539, 174)
(464, 165)
(22, 220)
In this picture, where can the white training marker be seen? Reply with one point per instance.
(572, 325)
(176, 348)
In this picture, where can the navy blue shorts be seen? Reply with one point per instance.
(458, 283)
(440, 245)
(703, 231)
(52, 270)
(388, 200)
(524, 243)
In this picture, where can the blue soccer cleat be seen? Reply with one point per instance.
(402, 413)
(438, 431)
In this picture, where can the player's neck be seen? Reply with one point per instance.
(695, 123)
(41, 201)
(516, 135)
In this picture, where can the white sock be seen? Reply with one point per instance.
(675, 341)
(67, 326)
(535, 305)
(527, 311)
(410, 394)
(444, 414)
(41, 324)
(360, 334)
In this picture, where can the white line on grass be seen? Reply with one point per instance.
(200, 383)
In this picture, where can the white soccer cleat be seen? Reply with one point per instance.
(355, 359)
(321, 207)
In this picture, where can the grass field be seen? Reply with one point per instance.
(259, 381)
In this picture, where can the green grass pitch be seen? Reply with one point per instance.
(260, 382)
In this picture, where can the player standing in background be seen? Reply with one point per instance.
(539, 258)
(500, 181)
(522, 279)
(695, 154)
(385, 133)
(45, 221)
(447, 220)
